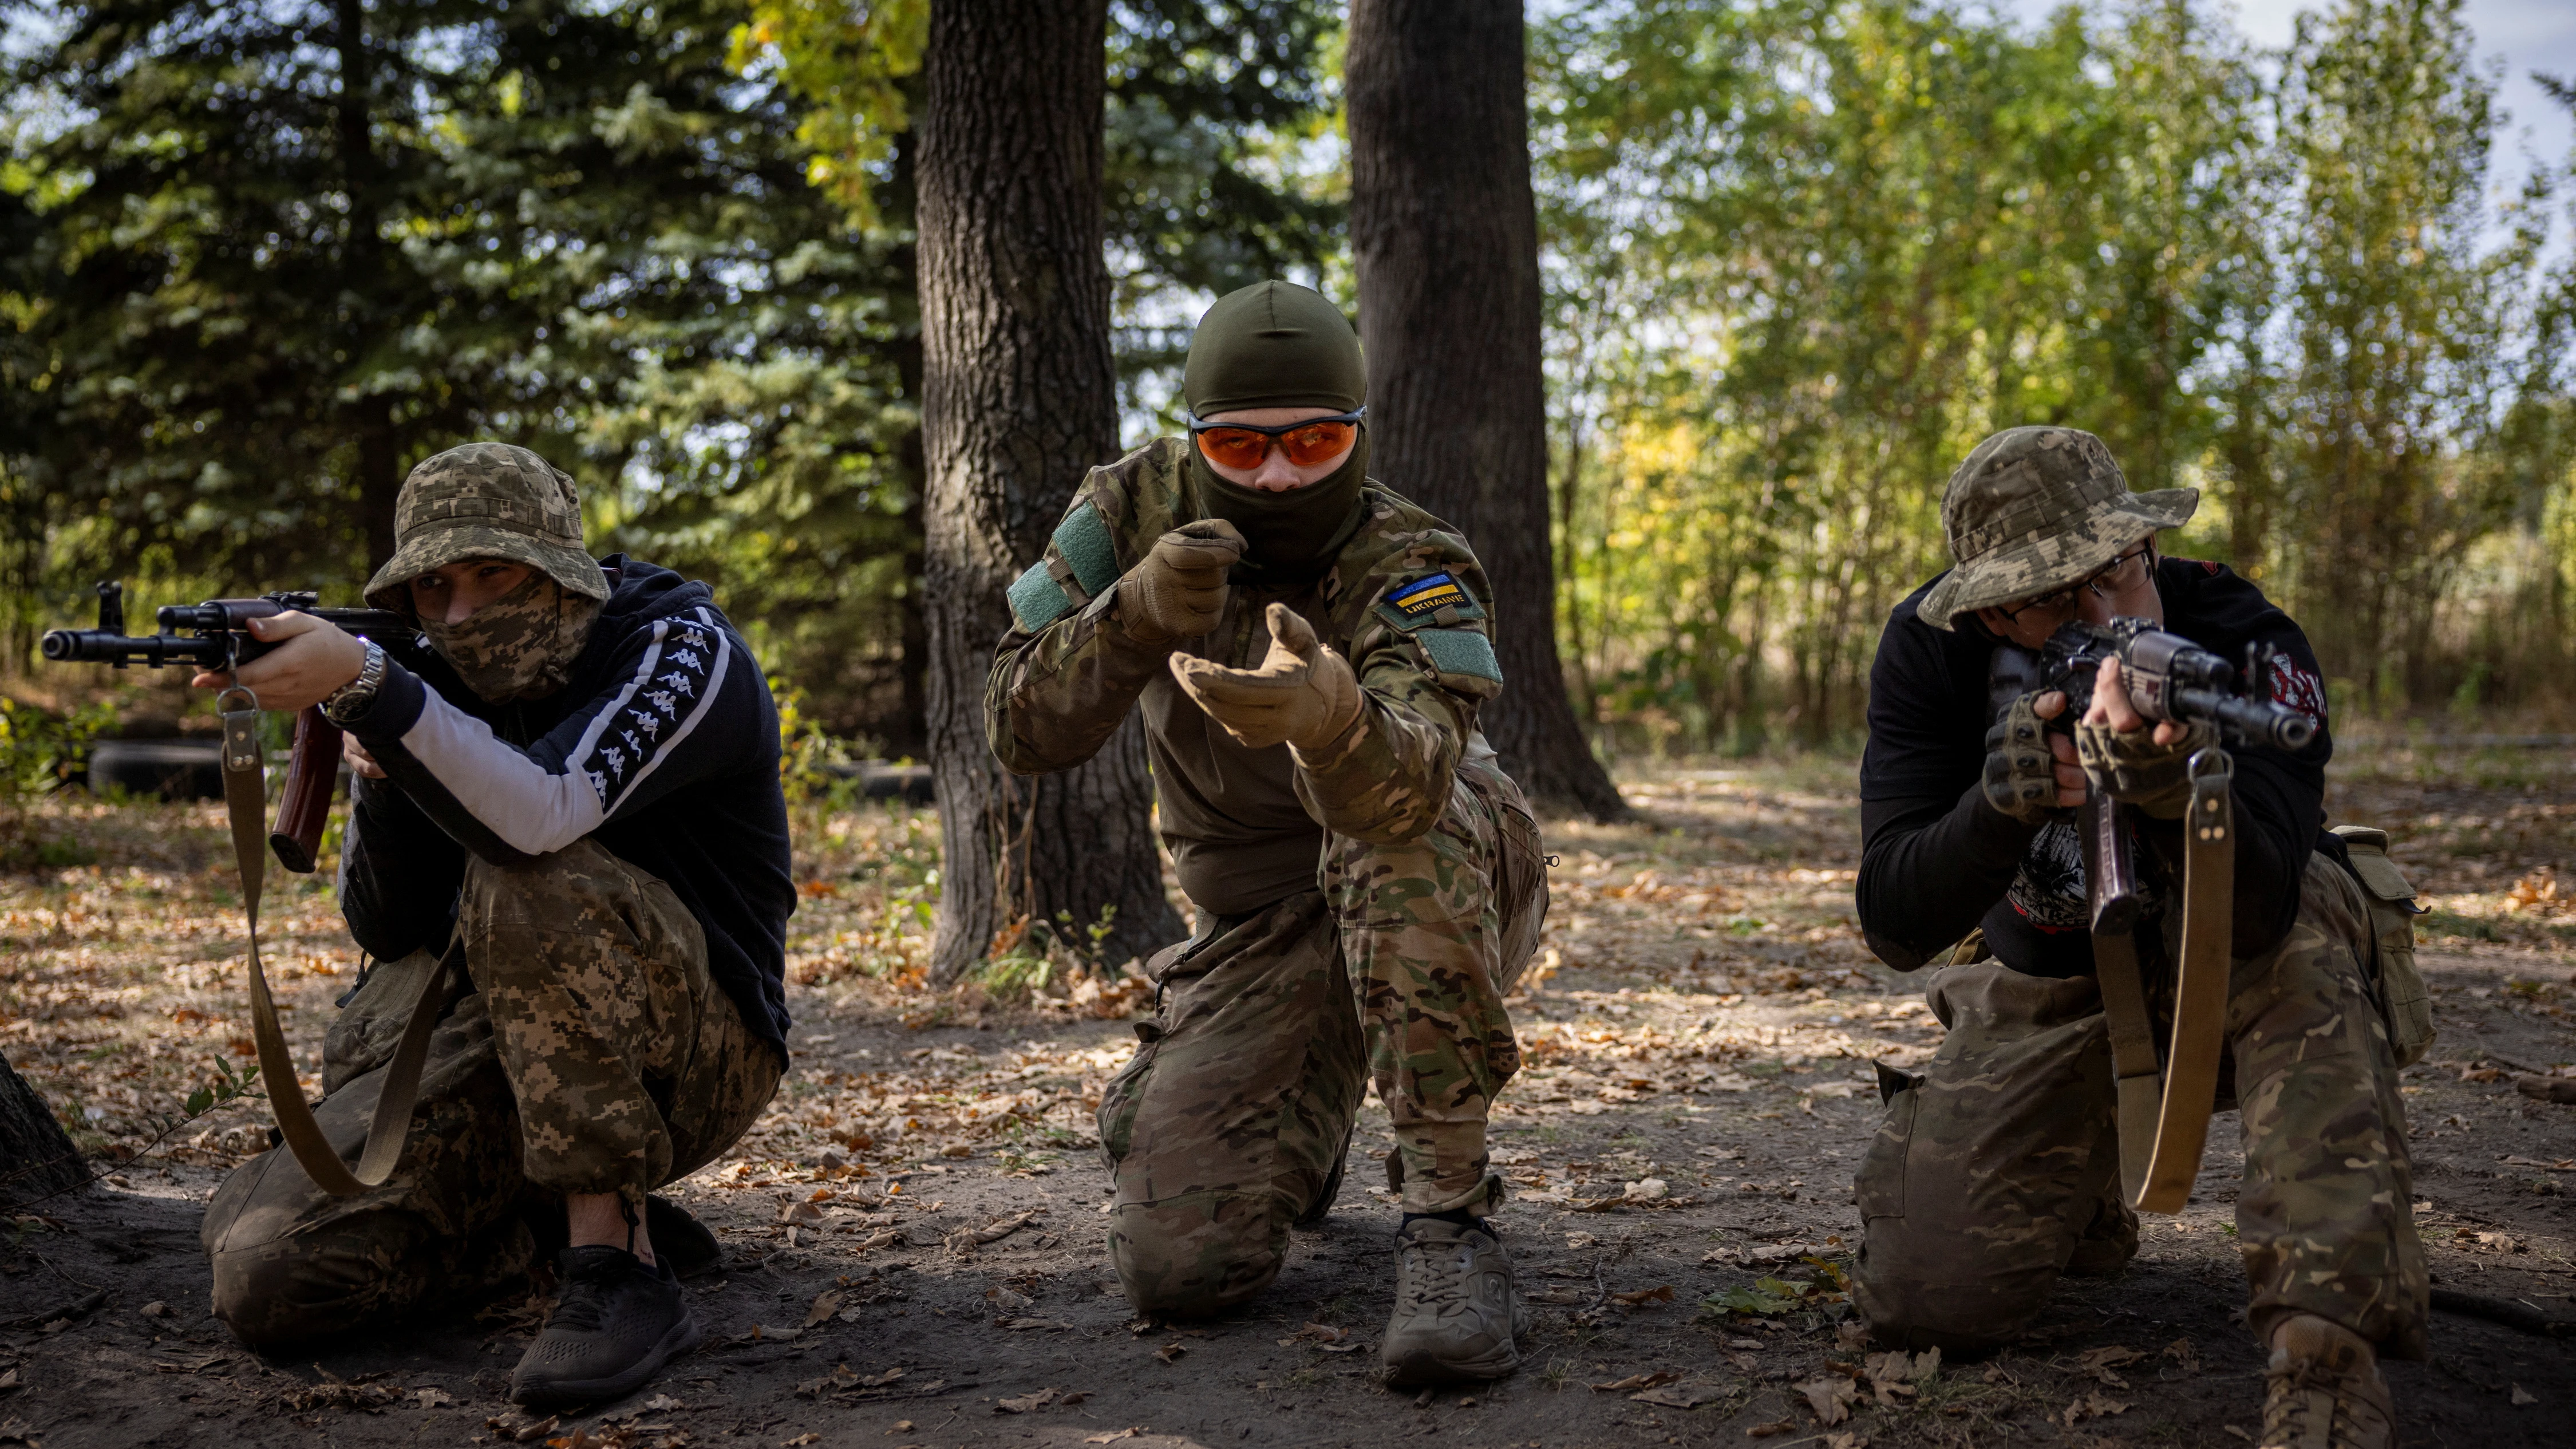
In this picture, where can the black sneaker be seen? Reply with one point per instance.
(681, 1240)
(615, 1322)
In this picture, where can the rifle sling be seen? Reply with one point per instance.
(2164, 1114)
(246, 803)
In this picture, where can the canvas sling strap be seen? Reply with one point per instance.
(2164, 1113)
(246, 803)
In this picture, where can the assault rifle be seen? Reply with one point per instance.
(2164, 1106)
(2167, 677)
(216, 635)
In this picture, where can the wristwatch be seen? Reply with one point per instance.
(350, 701)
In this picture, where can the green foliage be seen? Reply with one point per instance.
(1827, 1282)
(851, 61)
(1802, 255)
(267, 266)
(1218, 170)
(811, 761)
(39, 749)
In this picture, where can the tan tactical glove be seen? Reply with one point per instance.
(1177, 590)
(2021, 776)
(2131, 767)
(1304, 694)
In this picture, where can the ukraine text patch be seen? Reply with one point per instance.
(1427, 596)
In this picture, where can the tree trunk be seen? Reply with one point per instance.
(36, 1158)
(1018, 401)
(1445, 232)
(370, 422)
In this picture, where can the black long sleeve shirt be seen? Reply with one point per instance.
(663, 746)
(1938, 860)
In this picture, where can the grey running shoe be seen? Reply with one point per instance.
(1457, 1313)
(615, 1322)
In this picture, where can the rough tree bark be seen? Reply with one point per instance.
(370, 420)
(1018, 400)
(1445, 232)
(36, 1158)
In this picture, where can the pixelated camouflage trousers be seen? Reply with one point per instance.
(1232, 1121)
(589, 1052)
(1999, 1167)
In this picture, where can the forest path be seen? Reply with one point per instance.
(1697, 1095)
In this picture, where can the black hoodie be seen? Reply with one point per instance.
(663, 746)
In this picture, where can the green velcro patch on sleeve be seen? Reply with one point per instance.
(1083, 539)
(1037, 600)
(1461, 651)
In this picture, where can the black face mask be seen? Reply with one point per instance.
(1290, 537)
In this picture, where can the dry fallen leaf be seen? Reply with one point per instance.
(1111, 1437)
(1171, 1352)
(799, 1441)
(1008, 1299)
(1663, 1294)
(1681, 1396)
(1025, 1403)
(1846, 1441)
(1765, 1431)
(518, 1428)
(1831, 1398)
(432, 1398)
(826, 1303)
(2091, 1406)
(1635, 1381)
(1023, 1325)
(2523, 1396)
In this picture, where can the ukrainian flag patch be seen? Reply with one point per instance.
(1427, 596)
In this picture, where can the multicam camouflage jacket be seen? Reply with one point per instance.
(1404, 602)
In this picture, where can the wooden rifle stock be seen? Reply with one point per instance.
(304, 805)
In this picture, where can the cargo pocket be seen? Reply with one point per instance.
(369, 1028)
(1520, 884)
(1125, 1093)
(2404, 1003)
(1880, 1190)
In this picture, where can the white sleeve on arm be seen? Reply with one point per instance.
(536, 803)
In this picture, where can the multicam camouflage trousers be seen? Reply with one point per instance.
(1999, 1168)
(590, 1052)
(1232, 1120)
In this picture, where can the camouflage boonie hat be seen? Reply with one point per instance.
(487, 500)
(2034, 510)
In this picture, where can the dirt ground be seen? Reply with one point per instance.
(913, 1240)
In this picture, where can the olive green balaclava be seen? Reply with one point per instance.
(1278, 345)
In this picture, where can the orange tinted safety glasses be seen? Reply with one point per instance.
(1307, 443)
